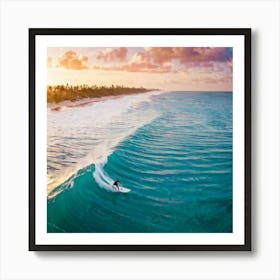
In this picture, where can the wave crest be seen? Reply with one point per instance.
(102, 178)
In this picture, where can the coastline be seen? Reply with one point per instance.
(58, 106)
(60, 93)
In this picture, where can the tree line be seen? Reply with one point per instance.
(67, 92)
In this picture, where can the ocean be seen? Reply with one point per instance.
(173, 150)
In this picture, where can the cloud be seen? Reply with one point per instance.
(196, 55)
(191, 56)
(113, 54)
(152, 60)
(229, 64)
(222, 78)
(140, 62)
(167, 59)
(161, 55)
(71, 60)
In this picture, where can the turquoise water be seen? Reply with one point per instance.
(173, 150)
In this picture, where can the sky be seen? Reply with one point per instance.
(165, 68)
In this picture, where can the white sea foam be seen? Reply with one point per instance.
(103, 179)
(80, 136)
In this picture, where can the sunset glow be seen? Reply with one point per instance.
(166, 68)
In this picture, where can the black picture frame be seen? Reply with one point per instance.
(246, 33)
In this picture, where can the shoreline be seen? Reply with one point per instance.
(60, 93)
(58, 106)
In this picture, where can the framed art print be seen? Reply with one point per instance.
(140, 139)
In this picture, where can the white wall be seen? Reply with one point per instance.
(17, 262)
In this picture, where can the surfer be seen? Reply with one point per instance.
(116, 184)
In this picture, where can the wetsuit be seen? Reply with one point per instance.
(116, 184)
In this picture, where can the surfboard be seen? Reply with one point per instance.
(122, 189)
